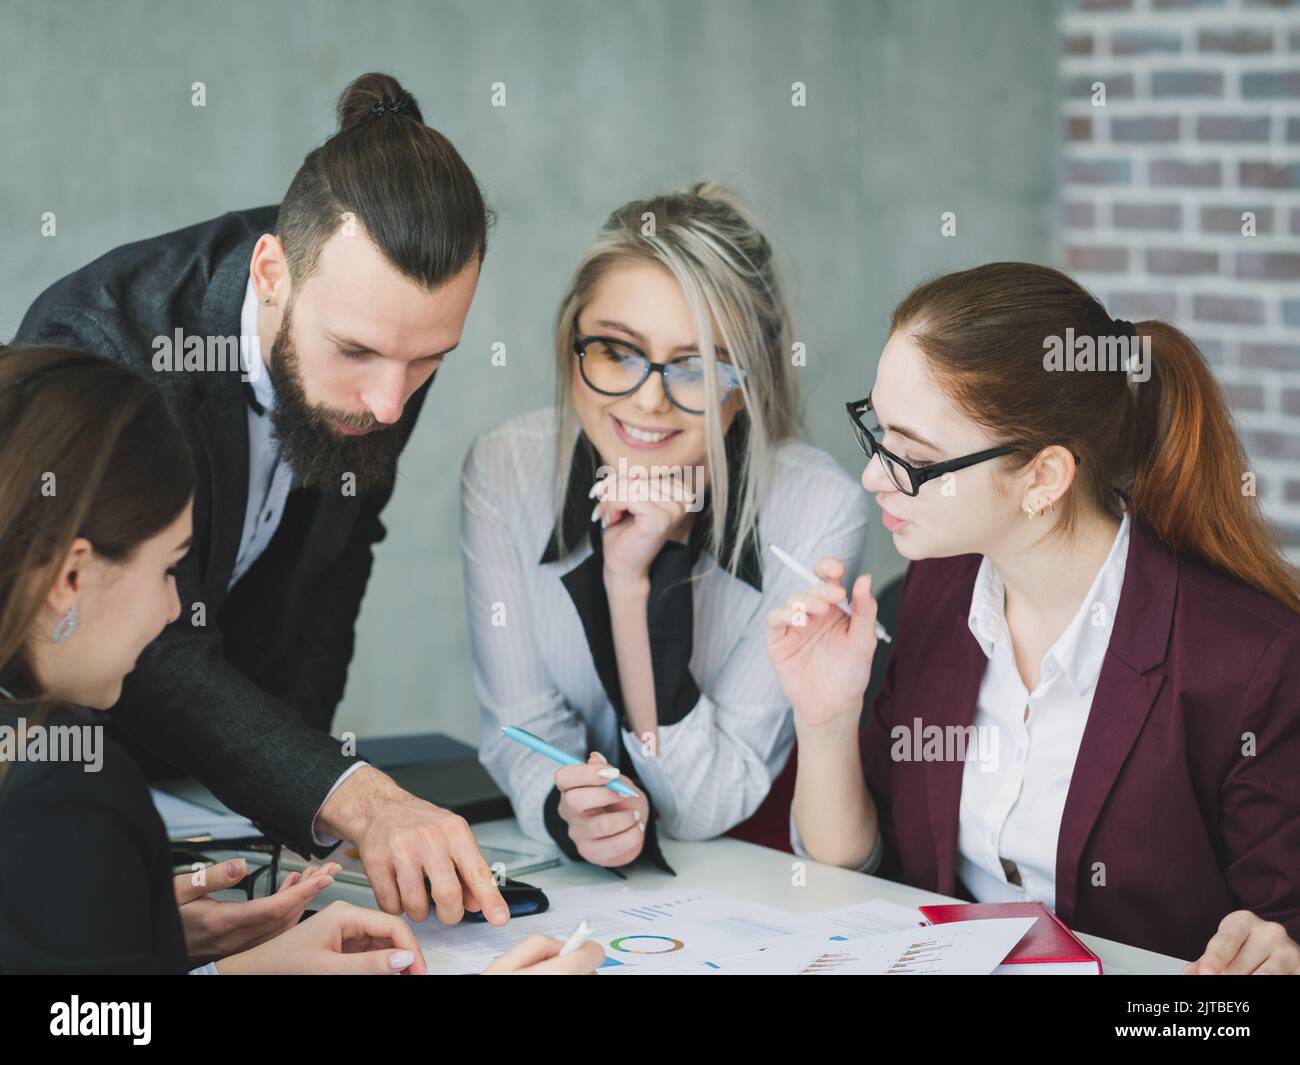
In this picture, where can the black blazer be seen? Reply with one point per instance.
(87, 882)
(243, 702)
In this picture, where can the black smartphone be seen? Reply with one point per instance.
(523, 900)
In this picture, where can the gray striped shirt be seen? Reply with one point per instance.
(533, 668)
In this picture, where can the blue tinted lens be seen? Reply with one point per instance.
(690, 371)
(685, 380)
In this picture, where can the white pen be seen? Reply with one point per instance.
(795, 566)
(580, 935)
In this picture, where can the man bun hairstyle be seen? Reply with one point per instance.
(401, 182)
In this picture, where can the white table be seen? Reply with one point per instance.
(746, 871)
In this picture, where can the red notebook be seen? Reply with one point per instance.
(1047, 949)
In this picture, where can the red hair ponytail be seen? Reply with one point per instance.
(1163, 447)
(1192, 486)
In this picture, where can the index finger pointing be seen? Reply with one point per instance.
(478, 880)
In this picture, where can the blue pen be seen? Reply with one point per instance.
(555, 754)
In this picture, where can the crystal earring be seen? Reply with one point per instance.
(65, 626)
(1031, 512)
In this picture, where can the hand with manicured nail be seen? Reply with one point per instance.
(215, 928)
(607, 828)
(342, 939)
(634, 530)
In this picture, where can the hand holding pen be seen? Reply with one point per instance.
(606, 830)
(821, 650)
(797, 567)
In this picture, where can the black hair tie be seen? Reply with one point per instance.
(390, 105)
(1124, 328)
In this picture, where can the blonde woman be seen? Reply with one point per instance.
(632, 633)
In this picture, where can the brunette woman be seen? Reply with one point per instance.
(1096, 613)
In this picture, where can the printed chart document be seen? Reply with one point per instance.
(637, 929)
(928, 951)
(868, 918)
(662, 932)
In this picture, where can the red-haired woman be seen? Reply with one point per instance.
(1094, 697)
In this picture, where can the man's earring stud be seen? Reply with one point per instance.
(266, 300)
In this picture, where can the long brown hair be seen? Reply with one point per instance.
(402, 181)
(1164, 448)
(89, 449)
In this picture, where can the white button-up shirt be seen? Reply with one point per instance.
(269, 476)
(1011, 804)
(533, 666)
(269, 479)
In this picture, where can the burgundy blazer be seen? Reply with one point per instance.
(1167, 826)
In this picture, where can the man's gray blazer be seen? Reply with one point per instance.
(243, 702)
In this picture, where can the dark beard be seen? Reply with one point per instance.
(318, 455)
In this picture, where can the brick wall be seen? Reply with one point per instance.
(1200, 125)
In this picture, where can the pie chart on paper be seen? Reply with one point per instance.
(646, 944)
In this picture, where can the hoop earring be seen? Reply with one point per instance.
(65, 626)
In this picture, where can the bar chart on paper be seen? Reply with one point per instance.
(926, 951)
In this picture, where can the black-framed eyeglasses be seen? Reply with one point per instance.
(613, 367)
(906, 477)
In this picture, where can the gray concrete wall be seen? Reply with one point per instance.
(914, 107)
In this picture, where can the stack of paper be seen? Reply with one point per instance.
(188, 820)
(658, 932)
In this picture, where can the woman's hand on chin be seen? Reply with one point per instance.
(634, 529)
